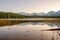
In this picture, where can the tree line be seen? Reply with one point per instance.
(15, 15)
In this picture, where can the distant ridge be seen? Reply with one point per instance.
(50, 13)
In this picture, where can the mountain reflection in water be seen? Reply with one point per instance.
(42, 23)
(29, 31)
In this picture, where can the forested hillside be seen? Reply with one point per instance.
(16, 15)
(10, 15)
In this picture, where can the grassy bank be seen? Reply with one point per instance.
(8, 22)
(14, 22)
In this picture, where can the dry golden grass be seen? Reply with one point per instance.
(13, 22)
(7, 22)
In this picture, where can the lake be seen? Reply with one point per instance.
(30, 31)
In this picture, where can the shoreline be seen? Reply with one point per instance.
(12, 22)
(4, 22)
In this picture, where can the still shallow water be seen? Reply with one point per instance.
(29, 31)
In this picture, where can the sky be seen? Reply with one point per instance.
(29, 5)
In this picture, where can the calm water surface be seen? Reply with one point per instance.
(29, 31)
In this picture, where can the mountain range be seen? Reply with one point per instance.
(50, 13)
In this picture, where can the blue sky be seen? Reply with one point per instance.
(29, 5)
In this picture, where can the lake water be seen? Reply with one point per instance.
(29, 31)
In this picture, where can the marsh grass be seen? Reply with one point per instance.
(14, 22)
